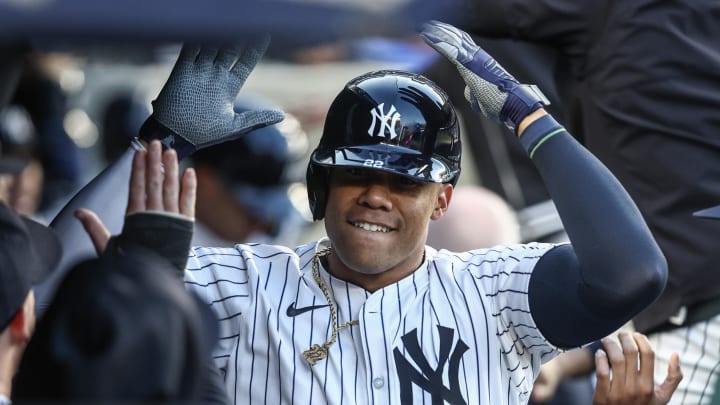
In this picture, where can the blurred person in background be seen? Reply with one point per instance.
(120, 328)
(29, 251)
(20, 187)
(252, 188)
(120, 121)
(479, 218)
(46, 102)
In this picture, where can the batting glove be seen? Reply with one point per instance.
(490, 89)
(194, 109)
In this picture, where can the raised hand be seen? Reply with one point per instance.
(156, 187)
(490, 89)
(631, 382)
(194, 109)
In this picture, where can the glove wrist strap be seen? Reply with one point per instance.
(521, 101)
(152, 129)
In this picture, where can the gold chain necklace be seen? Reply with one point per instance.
(319, 352)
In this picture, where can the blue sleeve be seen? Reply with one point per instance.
(613, 268)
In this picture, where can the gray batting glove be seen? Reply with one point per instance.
(194, 109)
(490, 89)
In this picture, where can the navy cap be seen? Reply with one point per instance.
(261, 167)
(29, 251)
(120, 328)
(11, 165)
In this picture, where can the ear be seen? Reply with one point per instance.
(23, 323)
(443, 201)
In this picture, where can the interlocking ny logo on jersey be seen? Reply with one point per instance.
(427, 378)
(387, 121)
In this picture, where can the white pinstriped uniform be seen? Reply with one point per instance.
(699, 348)
(468, 334)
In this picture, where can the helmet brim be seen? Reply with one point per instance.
(391, 159)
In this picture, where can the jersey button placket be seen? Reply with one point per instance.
(373, 322)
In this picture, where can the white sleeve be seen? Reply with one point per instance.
(505, 276)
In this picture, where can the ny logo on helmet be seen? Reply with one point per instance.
(387, 121)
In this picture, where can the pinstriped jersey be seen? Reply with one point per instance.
(457, 330)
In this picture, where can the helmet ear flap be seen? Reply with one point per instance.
(317, 187)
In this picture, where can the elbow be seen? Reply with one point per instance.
(647, 276)
(645, 282)
(649, 273)
(657, 276)
(641, 284)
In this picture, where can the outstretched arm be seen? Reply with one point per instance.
(193, 110)
(159, 216)
(614, 268)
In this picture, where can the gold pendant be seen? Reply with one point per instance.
(315, 354)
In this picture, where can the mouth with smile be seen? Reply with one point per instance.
(371, 227)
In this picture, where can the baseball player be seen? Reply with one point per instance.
(371, 314)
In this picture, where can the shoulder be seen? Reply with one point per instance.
(502, 253)
(244, 252)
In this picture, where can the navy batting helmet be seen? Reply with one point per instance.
(388, 120)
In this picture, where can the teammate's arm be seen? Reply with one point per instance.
(160, 210)
(614, 268)
(193, 110)
(566, 365)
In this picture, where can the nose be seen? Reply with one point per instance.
(376, 195)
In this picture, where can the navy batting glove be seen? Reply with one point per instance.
(490, 89)
(194, 109)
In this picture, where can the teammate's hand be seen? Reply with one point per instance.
(547, 381)
(566, 365)
(631, 382)
(154, 188)
(194, 109)
(490, 89)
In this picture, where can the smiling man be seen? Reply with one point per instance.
(371, 314)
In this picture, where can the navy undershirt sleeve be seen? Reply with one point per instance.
(613, 268)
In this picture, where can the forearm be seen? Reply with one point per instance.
(617, 268)
(573, 363)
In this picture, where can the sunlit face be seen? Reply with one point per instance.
(378, 222)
